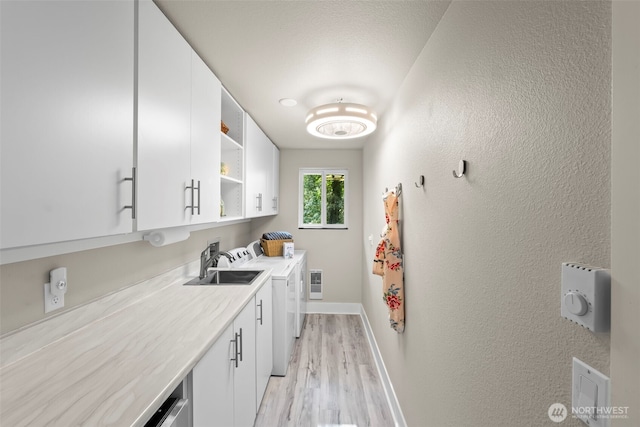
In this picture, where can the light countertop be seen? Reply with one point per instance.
(114, 361)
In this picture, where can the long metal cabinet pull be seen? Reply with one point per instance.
(241, 344)
(235, 350)
(132, 206)
(259, 203)
(198, 197)
(192, 188)
(260, 318)
(275, 203)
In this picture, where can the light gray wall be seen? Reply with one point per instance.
(521, 90)
(625, 212)
(97, 272)
(337, 252)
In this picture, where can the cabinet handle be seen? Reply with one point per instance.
(193, 205)
(132, 206)
(198, 197)
(235, 349)
(260, 318)
(241, 344)
(259, 202)
(275, 203)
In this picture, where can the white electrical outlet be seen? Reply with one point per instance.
(54, 290)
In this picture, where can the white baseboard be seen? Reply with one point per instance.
(392, 399)
(357, 308)
(334, 307)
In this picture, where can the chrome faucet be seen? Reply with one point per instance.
(219, 255)
(208, 257)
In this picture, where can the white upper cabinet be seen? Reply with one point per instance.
(67, 120)
(257, 170)
(275, 199)
(260, 197)
(164, 121)
(205, 142)
(178, 147)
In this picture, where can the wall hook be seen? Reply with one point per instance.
(462, 167)
(421, 181)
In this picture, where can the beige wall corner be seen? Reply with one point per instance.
(625, 212)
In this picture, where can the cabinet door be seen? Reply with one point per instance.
(164, 104)
(67, 120)
(275, 177)
(205, 142)
(212, 383)
(244, 390)
(264, 339)
(257, 167)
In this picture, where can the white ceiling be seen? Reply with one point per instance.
(312, 51)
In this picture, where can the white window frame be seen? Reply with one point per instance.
(324, 172)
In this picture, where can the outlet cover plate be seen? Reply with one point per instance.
(52, 302)
(584, 374)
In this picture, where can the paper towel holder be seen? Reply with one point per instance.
(167, 236)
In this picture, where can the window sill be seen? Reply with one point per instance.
(323, 228)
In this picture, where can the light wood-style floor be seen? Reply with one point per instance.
(332, 379)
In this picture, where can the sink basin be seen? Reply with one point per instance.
(227, 277)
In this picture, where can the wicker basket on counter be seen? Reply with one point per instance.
(273, 247)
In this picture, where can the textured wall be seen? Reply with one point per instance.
(625, 211)
(337, 252)
(97, 272)
(521, 90)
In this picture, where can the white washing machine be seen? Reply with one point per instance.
(300, 258)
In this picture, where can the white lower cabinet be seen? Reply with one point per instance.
(212, 383)
(264, 339)
(244, 380)
(226, 387)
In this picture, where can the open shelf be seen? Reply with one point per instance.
(232, 160)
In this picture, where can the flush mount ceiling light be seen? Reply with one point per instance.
(341, 121)
(288, 102)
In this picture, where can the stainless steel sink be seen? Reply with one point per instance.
(227, 277)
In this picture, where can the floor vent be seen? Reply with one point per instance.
(315, 284)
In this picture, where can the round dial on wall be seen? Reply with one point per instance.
(576, 303)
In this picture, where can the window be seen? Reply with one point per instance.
(323, 198)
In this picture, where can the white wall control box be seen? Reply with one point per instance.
(586, 296)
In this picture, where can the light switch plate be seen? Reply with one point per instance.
(590, 385)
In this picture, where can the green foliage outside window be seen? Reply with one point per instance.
(334, 198)
(312, 199)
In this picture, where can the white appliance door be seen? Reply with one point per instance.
(301, 297)
(292, 287)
